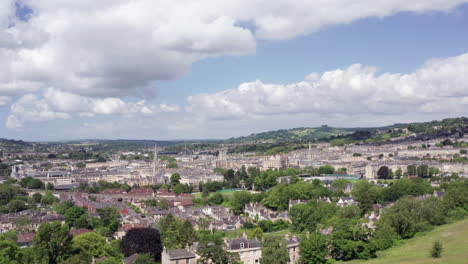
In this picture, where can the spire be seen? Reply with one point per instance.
(155, 160)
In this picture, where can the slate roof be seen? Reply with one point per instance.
(180, 254)
(235, 243)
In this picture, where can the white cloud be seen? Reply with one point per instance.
(439, 86)
(114, 47)
(4, 100)
(56, 104)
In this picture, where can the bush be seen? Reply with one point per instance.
(436, 251)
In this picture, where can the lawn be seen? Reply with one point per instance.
(454, 238)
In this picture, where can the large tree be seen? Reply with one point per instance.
(141, 241)
(382, 173)
(274, 251)
(52, 243)
(313, 249)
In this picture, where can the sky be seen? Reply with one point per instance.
(162, 69)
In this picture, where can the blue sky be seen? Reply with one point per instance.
(399, 43)
(165, 81)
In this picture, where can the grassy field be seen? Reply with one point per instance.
(454, 238)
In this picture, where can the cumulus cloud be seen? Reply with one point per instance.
(4, 100)
(115, 47)
(440, 86)
(56, 104)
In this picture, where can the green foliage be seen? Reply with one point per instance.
(407, 218)
(109, 217)
(72, 214)
(8, 192)
(273, 226)
(172, 165)
(274, 251)
(406, 186)
(94, 245)
(211, 250)
(31, 183)
(306, 217)
(239, 200)
(366, 194)
(49, 198)
(182, 188)
(436, 250)
(176, 233)
(313, 249)
(145, 259)
(175, 179)
(9, 252)
(52, 243)
(216, 199)
(36, 198)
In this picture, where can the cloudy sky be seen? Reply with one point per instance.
(164, 69)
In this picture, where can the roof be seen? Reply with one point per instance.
(127, 227)
(113, 191)
(25, 237)
(235, 243)
(180, 254)
(79, 231)
(141, 191)
(130, 259)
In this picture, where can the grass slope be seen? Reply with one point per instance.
(454, 238)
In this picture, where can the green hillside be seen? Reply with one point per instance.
(454, 238)
(432, 129)
(295, 134)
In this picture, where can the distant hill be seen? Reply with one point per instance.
(304, 134)
(14, 144)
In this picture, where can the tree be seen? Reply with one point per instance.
(109, 217)
(52, 243)
(398, 173)
(211, 250)
(405, 217)
(411, 169)
(314, 249)
(16, 206)
(48, 198)
(36, 197)
(73, 214)
(9, 252)
(239, 200)
(383, 172)
(145, 259)
(175, 179)
(188, 233)
(90, 244)
(366, 194)
(437, 248)
(137, 241)
(216, 199)
(274, 251)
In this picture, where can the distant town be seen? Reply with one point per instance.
(339, 197)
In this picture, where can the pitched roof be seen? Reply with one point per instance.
(25, 237)
(79, 231)
(180, 254)
(236, 243)
(130, 259)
